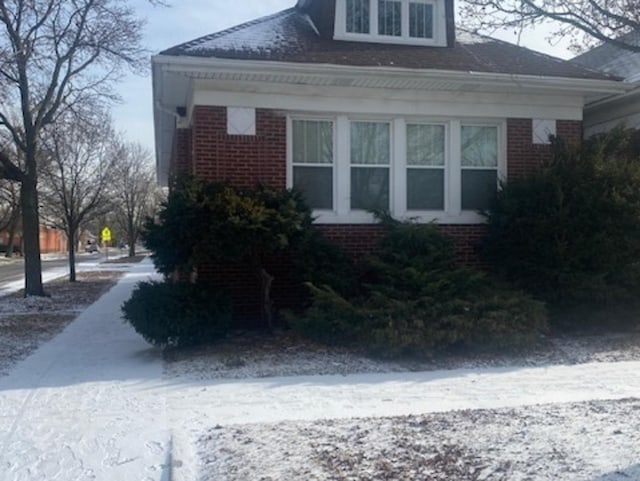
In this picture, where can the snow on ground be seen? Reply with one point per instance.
(94, 404)
(592, 441)
(245, 355)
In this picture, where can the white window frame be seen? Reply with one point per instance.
(439, 25)
(388, 166)
(500, 168)
(291, 164)
(446, 169)
(452, 213)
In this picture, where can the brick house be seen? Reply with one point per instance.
(367, 103)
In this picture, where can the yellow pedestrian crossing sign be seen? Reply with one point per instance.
(106, 235)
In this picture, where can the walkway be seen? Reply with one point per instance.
(82, 407)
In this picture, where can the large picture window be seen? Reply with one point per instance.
(479, 166)
(370, 162)
(425, 167)
(312, 159)
(415, 168)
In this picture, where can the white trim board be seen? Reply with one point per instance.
(439, 105)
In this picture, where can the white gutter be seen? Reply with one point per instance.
(182, 65)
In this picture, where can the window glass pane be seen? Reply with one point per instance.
(316, 183)
(425, 189)
(479, 146)
(479, 187)
(369, 188)
(370, 143)
(312, 142)
(358, 16)
(390, 18)
(425, 144)
(420, 20)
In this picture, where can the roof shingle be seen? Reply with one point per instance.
(290, 36)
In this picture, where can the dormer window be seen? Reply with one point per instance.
(358, 16)
(417, 22)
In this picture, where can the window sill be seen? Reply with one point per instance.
(362, 217)
(373, 38)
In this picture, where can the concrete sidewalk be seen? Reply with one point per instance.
(83, 406)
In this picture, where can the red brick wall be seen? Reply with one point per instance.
(181, 155)
(240, 159)
(523, 156)
(246, 160)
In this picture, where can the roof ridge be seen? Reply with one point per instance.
(230, 30)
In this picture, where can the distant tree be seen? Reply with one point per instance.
(55, 54)
(9, 213)
(135, 191)
(584, 22)
(77, 174)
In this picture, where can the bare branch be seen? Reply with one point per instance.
(586, 22)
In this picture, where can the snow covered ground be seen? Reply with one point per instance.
(96, 404)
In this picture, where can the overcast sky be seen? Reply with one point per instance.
(188, 19)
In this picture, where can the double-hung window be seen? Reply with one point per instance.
(479, 165)
(425, 167)
(313, 161)
(370, 165)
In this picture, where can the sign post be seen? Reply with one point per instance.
(106, 237)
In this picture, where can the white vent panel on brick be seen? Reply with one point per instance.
(241, 121)
(542, 129)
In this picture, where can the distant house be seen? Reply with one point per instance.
(51, 240)
(603, 114)
(367, 103)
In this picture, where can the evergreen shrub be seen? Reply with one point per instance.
(415, 301)
(178, 314)
(571, 233)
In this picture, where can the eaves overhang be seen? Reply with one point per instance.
(173, 77)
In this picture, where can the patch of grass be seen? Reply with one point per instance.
(126, 260)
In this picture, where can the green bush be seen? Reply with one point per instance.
(205, 222)
(571, 233)
(416, 301)
(179, 314)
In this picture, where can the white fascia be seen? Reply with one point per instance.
(497, 81)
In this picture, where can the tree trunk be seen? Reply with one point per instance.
(31, 237)
(71, 236)
(266, 281)
(132, 238)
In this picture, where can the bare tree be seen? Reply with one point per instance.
(136, 193)
(55, 54)
(584, 22)
(77, 174)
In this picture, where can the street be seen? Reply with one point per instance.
(14, 271)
